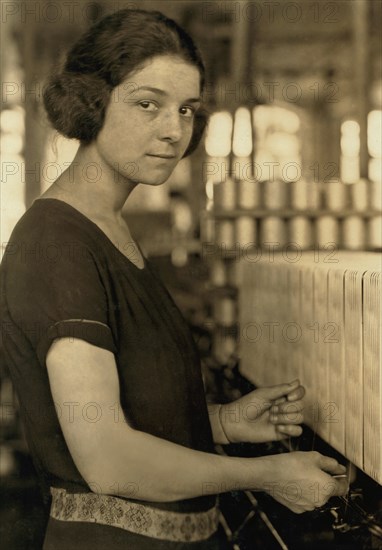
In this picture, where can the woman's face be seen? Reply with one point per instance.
(149, 120)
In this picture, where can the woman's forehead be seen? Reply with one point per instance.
(166, 73)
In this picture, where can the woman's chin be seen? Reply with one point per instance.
(155, 179)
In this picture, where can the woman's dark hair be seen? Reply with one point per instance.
(76, 98)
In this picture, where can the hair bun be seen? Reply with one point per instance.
(76, 103)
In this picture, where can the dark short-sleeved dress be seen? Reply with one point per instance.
(63, 277)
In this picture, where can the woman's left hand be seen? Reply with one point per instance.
(266, 414)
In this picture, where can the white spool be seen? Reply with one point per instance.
(242, 168)
(218, 273)
(314, 196)
(248, 194)
(228, 345)
(327, 231)
(299, 195)
(207, 225)
(245, 231)
(225, 233)
(375, 188)
(374, 232)
(353, 233)
(273, 232)
(335, 196)
(359, 196)
(275, 194)
(225, 311)
(216, 169)
(225, 195)
(223, 347)
(301, 232)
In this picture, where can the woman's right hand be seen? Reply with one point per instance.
(302, 481)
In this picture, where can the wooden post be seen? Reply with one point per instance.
(362, 75)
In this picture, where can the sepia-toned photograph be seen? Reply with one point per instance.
(191, 275)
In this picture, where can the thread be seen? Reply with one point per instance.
(332, 335)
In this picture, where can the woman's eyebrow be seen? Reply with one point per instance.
(163, 93)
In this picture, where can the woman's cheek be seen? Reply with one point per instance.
(187, 136)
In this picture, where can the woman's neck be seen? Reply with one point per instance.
(91, 186)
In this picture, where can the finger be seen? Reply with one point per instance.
(289, 430)
(287, 413)
(288, 408)
(279, 401)
(286, 418)
(296, 394)
(338, 487)
(296, 418)
(275, 392)
(331, 465)
(293, 395)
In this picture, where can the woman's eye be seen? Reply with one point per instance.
(148, 105)
(187, 111)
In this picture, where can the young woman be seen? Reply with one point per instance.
(106, 371)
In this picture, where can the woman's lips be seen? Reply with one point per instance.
(167, 157)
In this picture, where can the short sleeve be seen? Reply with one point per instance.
(54, 289)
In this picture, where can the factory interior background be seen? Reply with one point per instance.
(284, 189)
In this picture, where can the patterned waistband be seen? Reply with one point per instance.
(134, 517)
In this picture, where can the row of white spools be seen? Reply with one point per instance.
(307, 214)
(298, 195)
(352, 232)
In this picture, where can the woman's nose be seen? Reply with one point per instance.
(170, 126)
